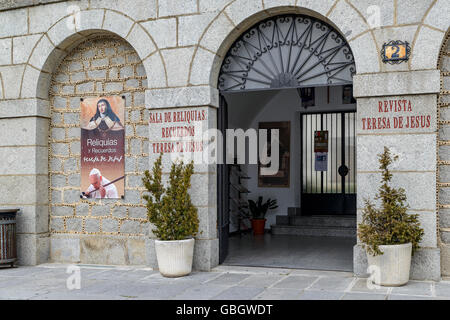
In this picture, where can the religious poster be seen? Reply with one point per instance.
(321, 141)
(102, 147)
(281, 178)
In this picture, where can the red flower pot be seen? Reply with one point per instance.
(258, 226)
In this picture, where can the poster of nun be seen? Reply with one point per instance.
(102, 147)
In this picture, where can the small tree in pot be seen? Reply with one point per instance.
(174, 216)
(258, 212)
(389, 234)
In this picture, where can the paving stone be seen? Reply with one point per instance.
(193, 278)
(331, 284)
(295, 282)
(201, 292)
(128, 282)
(132, 275)
(22, 271)
(239, 293)
(261, 281)
(73, 295)
(229, 279)
(321, 295)
(279, 294)
(442, 289)
(202, 277)
(361, 286)
(364, 296)
(408, 297)
(414, 288)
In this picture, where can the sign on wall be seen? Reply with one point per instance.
(397, 115)
(395, 52)
(282, 178)
(179, 131)
(102, 147)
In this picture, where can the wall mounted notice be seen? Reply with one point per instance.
(397, 114)
(321, 161)
(320, 141)
(321, 150)
(102, 147)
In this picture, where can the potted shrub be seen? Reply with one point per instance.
(174, 217)
(258, 212)
(389, 234)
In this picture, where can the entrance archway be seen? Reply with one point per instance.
(303, 61)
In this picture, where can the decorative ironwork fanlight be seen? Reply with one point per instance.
(287, 51)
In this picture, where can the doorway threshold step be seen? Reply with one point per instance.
(319, 221)
(321, 231)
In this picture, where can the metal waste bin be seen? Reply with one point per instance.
(8, 248)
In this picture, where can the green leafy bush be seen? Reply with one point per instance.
(258, 210)
(390, 224)
(170, 208)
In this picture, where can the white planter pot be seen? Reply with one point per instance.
(392, 267)
(175, 257)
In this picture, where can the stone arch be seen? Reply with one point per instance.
(50, 50)
(431, 34)
(65, 34)
(102, 65)
(239, 15)
(268, 55)
(443, 158)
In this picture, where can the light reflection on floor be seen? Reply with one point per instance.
(287, 251)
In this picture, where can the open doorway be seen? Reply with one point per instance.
(303, 87)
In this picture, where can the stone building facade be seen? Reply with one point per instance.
(166, 55)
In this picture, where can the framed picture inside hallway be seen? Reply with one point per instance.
(308, 96)
(347, 94)
(275, 174)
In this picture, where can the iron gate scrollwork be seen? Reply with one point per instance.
(285, 52)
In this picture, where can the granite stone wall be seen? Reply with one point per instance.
(100, 66)
(443, 176)
(180, 46)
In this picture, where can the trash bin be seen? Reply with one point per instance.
(8, 248)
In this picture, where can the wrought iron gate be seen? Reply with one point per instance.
(223, 191)
(333, 191)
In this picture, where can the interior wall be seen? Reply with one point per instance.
(247, 109)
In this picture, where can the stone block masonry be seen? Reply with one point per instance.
(100, 66)
(167, 54)
(443, 163)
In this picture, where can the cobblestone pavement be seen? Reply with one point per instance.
(49, 281)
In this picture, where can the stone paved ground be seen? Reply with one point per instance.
(48, 281)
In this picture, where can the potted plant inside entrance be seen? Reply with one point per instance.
(389, 234)
(174, 217)
(258, 212)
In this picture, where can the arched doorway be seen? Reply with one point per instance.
(103, 65)
(292, 72)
